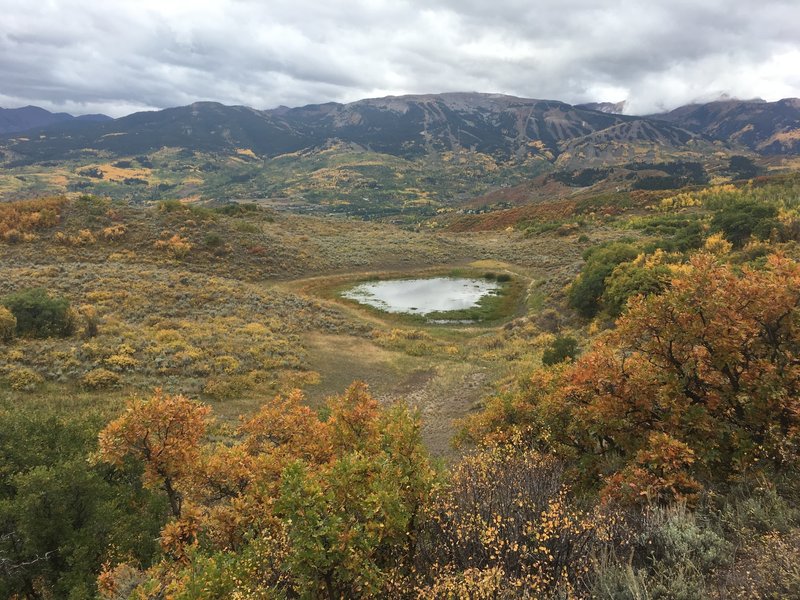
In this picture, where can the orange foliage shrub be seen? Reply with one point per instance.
(18, 220)
(698, 384)
(291, 501)
(164, 432)
(177, 246)
(113, 232)
(84, 237)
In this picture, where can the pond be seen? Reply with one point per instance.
(423, 296)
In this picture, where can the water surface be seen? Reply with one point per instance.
(422, 296)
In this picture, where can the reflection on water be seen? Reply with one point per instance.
(422, 296)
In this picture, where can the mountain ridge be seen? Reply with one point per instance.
(413, 125)
(409, 126)
(26, 118)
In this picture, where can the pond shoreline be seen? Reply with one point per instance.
(424, 296)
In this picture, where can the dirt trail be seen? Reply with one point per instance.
(443, 390)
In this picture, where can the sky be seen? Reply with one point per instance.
(123, 56)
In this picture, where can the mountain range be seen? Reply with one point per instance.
(504, 127)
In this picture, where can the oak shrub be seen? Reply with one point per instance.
(696, 386)
(290, 504)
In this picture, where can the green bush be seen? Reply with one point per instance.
(741, 167)
(742, 219)
(40, 315)
(213, 240)
(628, 280)
(238, 209)
(673, 554)
(675, 535)
(189, 209)
(559, 350)
(613, 579)
(673, 232)
(749, 512)
(680, 548)
(59, 512)
(586, 290)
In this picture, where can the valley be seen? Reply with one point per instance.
(222, 307)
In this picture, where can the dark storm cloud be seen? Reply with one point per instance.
(119, 56)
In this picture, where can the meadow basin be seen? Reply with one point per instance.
(422, 296)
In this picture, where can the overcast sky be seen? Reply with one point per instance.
(120, 56)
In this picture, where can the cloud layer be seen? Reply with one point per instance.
(120, 56)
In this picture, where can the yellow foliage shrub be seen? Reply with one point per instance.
(91, 349)
(90, 320)
(226, 388)
(14, 354)
(477, 584)
(227, 364)
(168, 336)
(97, 379)
(14, 236)
(24, 379)
(717, 245)
(255, 329)
(296, 379)
(8, 325)
(189, 355)
(121, 362)
(119, 582)
(84, 237)
(122, 255)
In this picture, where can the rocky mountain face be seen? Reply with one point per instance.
(764, 127)
(504, 127)
(614, 108)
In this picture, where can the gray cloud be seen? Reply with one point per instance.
(117, 57)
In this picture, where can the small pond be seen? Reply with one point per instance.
(423, 296)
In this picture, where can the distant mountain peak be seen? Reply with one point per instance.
(15, 120)
(724, 97)
(611, 108)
